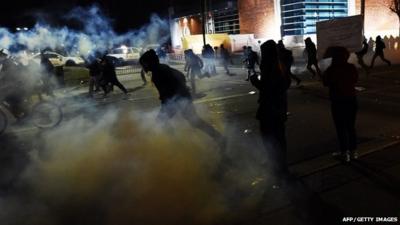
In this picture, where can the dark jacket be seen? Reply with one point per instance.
(341, 80)
(170, 83)
(273, 95)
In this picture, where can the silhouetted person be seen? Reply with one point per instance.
(312, 58)
(225, 58)
(95, 72)
(208, 55)
(251, 61)
(174, 94)
(380, 45)
(286, 58)
(341, 77)
(360, 56)
(272, 108)
(194, 65)
(110, 76)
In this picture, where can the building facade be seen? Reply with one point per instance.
(289, 20)
(277, 19)
(299, 17)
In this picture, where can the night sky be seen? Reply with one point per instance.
(124, 14)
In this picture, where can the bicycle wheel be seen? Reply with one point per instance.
(46, 114)
(3, 121)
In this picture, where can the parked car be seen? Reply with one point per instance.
(59, 60)
(125, 55)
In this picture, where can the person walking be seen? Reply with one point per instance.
(94, 66)
(225, 58)
(341, 77)
(286, 58)
(194, 66)
(208, 55)
(251, 61)
(311, 51)
(380, 45)
(271, 113)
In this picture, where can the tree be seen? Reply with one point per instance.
(395, 7)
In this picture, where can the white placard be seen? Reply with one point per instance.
(346, 32)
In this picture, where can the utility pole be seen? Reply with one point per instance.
(363, 15)
(203, 19)
(363, 9)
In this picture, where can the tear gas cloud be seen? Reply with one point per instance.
(123, 167)
(96, 34)
(126, 169)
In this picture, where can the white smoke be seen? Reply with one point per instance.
(96, 34)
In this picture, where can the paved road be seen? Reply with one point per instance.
(310, 132)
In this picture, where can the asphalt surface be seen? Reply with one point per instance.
(331, 189)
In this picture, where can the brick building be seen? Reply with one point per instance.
(290, 20)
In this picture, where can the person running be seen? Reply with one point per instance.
(380, 45)
(251, 61)
(341, 77)
(360, 56)
(174, 95)
(110, 76)
(311, 51)
(194, 66)
(272, 109)
(286, 58)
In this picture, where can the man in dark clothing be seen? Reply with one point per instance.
(286, 58)
(380, 45)
(225, 58)
(95, 73)
(110, 76)
(360, 56)
(251, 61)
(193, 66)
(311, 51)
(341, 78)
(174, 94)
(272, 108)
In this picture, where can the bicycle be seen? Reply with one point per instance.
(44, 114)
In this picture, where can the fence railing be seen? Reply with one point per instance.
(128, 69)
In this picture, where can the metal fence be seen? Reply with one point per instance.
(128, 69)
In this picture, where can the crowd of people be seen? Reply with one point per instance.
(273, 80)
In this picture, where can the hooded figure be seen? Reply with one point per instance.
(341, 77)
(312, 58)
(272, 109)
(174, 95)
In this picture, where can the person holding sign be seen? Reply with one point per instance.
(341, 77)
